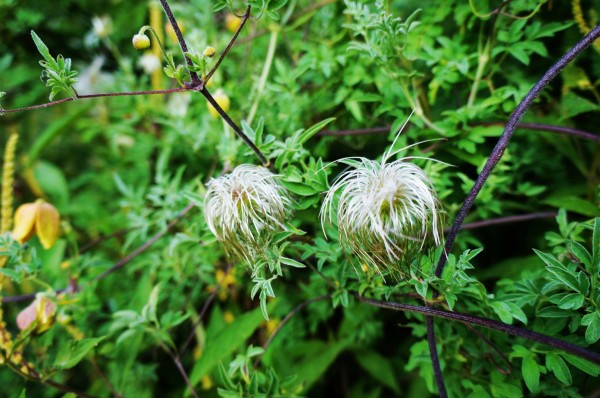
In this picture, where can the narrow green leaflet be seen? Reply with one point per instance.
(73, 352)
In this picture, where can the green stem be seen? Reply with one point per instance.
(265, 74)
(483, 59)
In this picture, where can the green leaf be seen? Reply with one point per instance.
(573, 105)
(379, 367)
(531, 373)
(582, 364)
(595, 248)
(592, 333)
(308, 133)
(559, 270)
(581, 253)
(571, 301)
(292, 263)
(223, 343)
(558, 366)
(503, 311)
(72, 353)
(43, 49)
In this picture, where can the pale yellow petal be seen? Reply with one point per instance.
(25, 216)
(47, 224)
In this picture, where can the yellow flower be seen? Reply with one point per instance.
(39, 218)
(42, 310)
(223, 101)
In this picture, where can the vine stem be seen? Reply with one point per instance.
(229, 45)
(502, 144)
(286, 319)
(234, 126)
(184, 48)
(491, 162)
(487, 323)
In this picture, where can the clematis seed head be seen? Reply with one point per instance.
(386, 213)
(245, 208)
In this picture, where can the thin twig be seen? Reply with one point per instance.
(371, 130)
(235, 127)
(103, 238)
(285, 320)
(488, 323)
(552, 129)
(146, 245)
(183, 373)
(198, 321)
(493, 347)
(88, 96)
(229, 45)
(504, 220)
(119, 264)
(184, 48)
(502, 144)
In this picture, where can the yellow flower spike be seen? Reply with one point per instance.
(47, 224)
(232, 22)
(24, 222)
(223, 101)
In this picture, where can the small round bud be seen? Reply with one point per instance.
(223, 101)
(232, 22)
(209, 52)
(141, 41)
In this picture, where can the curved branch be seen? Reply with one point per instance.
(487, 323)
(510, 128)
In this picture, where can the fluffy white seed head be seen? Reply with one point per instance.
(386, 213)
(245, 208)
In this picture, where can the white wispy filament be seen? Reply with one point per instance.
(386, 212)
(245, 208)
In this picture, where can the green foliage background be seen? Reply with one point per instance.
(131, 164)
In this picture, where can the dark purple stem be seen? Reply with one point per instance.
(234, 126)
(488, 323)
(435, 361)
(184, 49)
(500, 147)
(551, 128)
(505, 220)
